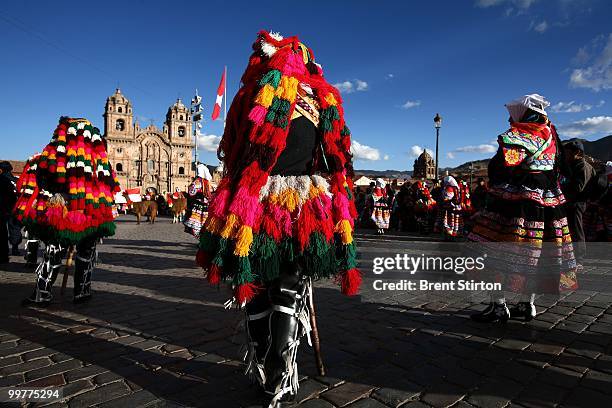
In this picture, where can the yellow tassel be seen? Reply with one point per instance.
(265, 96)
(346, 233)
(244, 239)
(289, 85)
(214, 225)
(314, 192)
(331, 100)
(230, 225)
(274, 199)
(289, 199)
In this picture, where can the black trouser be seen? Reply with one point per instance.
(575, 211)
(276, 319)
(4, 240)
(49, 268)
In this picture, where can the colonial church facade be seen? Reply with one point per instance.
(147, 156)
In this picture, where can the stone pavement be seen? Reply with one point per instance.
(155, 334)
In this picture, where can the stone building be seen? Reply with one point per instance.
(147, 156)
(424, 167)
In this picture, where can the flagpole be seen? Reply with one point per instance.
(225, 97)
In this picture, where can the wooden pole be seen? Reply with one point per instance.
(316, 342)
(69, 261)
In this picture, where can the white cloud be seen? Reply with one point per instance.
(450, 155)
(411, 104)
(363, 152)
(386, 157)
(481, 148)
(416, 150)
(352, 86)
(594, 125)
(361, 85)
(389, 76)
(541, 27)
(597, 75)
(210, 143)
(522, 4)
(573, 107)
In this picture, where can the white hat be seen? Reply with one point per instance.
(203, 172)
(381, 183)
(518, 107)
(450, 181)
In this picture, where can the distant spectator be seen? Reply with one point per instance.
(8, 197)
(479, 196)
(578, 175)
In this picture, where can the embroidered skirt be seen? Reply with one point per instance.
(449, 222)
(196, 216)
(294, 229)
(528, 247)
(380, 215)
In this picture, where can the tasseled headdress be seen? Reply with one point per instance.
(66, 193)
(256, 130)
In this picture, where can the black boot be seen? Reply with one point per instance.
(524, 310)
(31, 253)
(494, 313)
(46, 272)
(288, 323)
(258, 336)
(83, 268)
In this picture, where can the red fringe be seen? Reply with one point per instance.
(203, 258)
(351, 281)
(245, 292)
(214, 275)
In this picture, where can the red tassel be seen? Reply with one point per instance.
(214, 274)
(203, 258)
(244, 293)
(351, 280)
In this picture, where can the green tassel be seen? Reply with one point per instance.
(243, 271)
(345, 131)
(265, 260)
(270, 116)
(271, 77)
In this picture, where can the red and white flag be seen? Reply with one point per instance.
(220, 94)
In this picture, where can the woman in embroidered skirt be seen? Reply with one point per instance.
(66, 199)
(523, 230)
(450, 217)
(379, 207)
(197, 203)
(283, 213)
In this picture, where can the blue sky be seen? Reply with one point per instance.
(396, 62)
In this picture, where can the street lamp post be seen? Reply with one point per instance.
(437, 124)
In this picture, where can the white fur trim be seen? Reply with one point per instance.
(61, 148)
(72, 131)
(86, 133)
(267, 48)
(81, 125)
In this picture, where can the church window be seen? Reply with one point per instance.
(119, 167)
(181, 131)
(151, 165)
(119, 150)
(181, 117)
(181, 170)
(120, 125)
(119, 109)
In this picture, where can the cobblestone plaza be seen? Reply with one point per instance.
(156, 334)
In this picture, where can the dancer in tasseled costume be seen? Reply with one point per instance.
(66, 198)
(283, 214)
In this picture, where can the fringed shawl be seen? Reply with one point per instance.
(256, 130)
